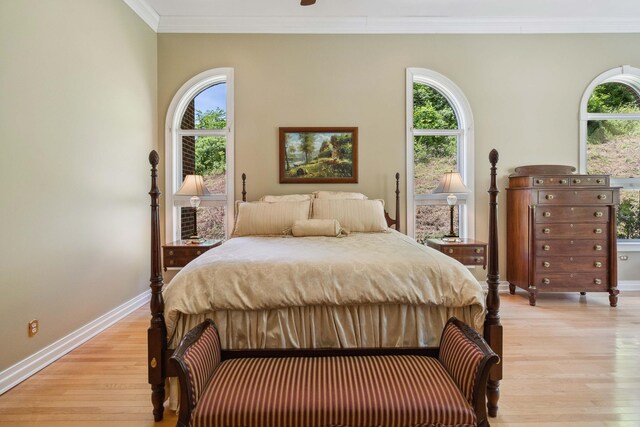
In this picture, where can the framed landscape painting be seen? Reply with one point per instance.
(318, 155)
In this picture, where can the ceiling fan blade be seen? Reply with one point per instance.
(307, 2)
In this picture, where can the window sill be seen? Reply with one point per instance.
(629, 245)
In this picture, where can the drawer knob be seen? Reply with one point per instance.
(598, 214)
(199, 252)
(546, 264)
(597, 281)
(450, 251)
(546, 281)
(546, 214)
(563, 181)
(598, 231)
(546, 247)
(546, 230)
(597, 264)
(478, 260)
(576, 181)
(549, 197)
(170, 262)
(478, 250)
(170, 252)
(599, 181)
(597, 247)
(602, 196)
(539, 181)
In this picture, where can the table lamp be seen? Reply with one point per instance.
(451, 183)
(193, 185)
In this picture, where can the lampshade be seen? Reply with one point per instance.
(451, 182)
(193, 185)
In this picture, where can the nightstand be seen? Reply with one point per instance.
(469, 252)
(179, 253)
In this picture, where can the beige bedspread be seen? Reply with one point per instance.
(265, 273)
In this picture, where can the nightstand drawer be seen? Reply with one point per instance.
(180, 253)
(464, 251)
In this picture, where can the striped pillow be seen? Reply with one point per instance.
(365, 216)
(461, 357)
(339, 195)
(269, 219)
(201, 359)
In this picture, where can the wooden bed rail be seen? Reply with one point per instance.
(158, 353)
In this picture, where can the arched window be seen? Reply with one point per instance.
(439, 140)
(610, 141)
(199, 140)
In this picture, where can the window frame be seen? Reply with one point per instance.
(631, 77)
(173, 150)
(464, 154)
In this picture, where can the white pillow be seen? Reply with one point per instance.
(339, 195)
(286, 198)
(354, 215)
(268, 219)
(316, 227)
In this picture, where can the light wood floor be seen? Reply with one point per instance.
(570, 361)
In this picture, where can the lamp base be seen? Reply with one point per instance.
(196, 239)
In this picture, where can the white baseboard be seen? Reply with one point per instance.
(22, 370)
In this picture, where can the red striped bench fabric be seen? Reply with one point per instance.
(332, 391)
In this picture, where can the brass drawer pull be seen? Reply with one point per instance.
(563, 181)
(450, 251)
(546, 230)
(597, 281)
(598, 214)
(546, 281)
(602, 196)
(539, 181)
(478, 260)
(546, 214)
(597, 247)
(478, 250)
(170, 252)
(599, 181)
(597, 264)
(576, 181)
(171, 262)
(199, 252)
(549, 197)
(598, 231)
(546, 264)
(546, 247)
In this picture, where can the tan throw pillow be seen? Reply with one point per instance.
(339, 195)
(268, 219)
(286, 198)
(354, 215)
(316, 227)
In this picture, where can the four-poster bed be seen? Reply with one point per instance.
(159, 351)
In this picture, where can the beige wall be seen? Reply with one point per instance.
(77, 118)
(524, 91)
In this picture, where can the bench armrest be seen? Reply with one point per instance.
(468, 359)
(195, 360)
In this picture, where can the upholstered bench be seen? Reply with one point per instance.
(398, 390)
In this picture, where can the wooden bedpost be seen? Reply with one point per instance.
(492, 326)
(157, 332)
(397, 201)
(244, 187)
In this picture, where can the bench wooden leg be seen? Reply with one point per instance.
(493, 395)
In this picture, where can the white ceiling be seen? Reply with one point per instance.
(391, 16)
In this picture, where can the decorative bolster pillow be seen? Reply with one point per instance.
(316, 227)
(286, 198)
(339, 195)
(268, 219)
(354, 215)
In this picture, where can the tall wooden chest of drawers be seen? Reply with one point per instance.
(561, 232)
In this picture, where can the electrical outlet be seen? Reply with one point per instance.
(34, 327)
(624, 258)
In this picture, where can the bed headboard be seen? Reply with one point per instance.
(390, 221)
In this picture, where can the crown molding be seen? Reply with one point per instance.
(147, 13)
(396, 25)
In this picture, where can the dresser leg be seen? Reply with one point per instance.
(583, 293)
(533, 291)
(512, 289)
(613, 297)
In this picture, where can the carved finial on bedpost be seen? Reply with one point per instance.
(492, 326)
(397, 201)
(157, 332)
(244, 187)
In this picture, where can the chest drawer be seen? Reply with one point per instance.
(570, 230)
(559, 282)
(572, 214)
(575, 197)
(590, 181)
(550, 181)
(570, 247)
(569, 264)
